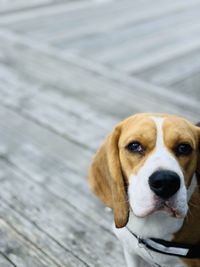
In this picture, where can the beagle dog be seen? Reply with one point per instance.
(148, 172)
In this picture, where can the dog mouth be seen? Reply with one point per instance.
(171, 210)
(170, 207)
(164, 206)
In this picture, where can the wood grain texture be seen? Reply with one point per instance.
(36, 203)
(39, 62)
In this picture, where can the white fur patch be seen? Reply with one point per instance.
(142, 199)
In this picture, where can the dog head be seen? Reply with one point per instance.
(146, 164)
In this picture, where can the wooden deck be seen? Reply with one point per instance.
(69, 70)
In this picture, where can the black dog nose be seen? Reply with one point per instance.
(164, 183)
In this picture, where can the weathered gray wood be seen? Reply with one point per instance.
(181, 74)
(110, 22)
(121, 15)
(85, 7)
(29, 135)
(173, 71)
(8, 6)
(134, 54)
(163, 55)
(38, 62)
(19, 6)
(63, 114)
(5, 262)
(19, 251)
(189, 86)
(124, 42)
(46, 173)
(43, 161)
(125, 61)
(31, 232)
(72, 230)
(181, 10)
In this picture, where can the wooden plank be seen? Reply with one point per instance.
(40, 172)
(173, 71)
(4, 261)
(22, 6)
(98, 46)
(34, 235)
(83, 79)
(63, 114)
(31, 140)
(45, 10)
(70, 30)
(85, 7)
(72, 230)
(19, 251)
(65, 30)
(18, 5)
(189, 85)
(75, 80)
(163, 54)
(140, 45)
(43, 160)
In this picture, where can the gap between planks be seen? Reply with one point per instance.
(172, 101)
(56, 229)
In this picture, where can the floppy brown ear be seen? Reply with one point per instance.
(107, 181)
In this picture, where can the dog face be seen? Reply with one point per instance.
(147, 164)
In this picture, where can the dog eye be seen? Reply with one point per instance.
(183, 150)
(135, 147)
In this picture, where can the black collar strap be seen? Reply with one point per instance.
(169, 248)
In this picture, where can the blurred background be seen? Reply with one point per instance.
(69, 71)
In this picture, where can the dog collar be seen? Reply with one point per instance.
(168, 247)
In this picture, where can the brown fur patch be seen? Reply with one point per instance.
(141, 129)
(176, 131)
(190, 231)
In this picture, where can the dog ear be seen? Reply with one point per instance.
(107, 181)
